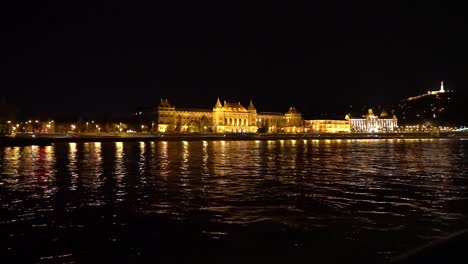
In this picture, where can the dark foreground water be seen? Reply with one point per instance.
(218, 201)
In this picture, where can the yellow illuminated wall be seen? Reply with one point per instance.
(327, 126)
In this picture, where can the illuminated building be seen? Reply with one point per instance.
(327, 126)
(370, 123)
(293, 121)
(226, 117)
(233, 117)
(230, 117)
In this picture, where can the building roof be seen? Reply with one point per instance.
(370, 113)
(293, 110)
(383, 114)
(165, 103)
(194, 110)
(234, 107)
(251, 106)
(218, 104)
(270, 113)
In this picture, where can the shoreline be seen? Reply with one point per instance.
(46, 139)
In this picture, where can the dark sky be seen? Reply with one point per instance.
(109, 59)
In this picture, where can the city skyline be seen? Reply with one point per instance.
(334, 112)
(111, 59)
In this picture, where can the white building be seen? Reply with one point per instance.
(370, 123)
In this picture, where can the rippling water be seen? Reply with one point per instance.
(341, 200)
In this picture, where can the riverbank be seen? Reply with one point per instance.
(47, 139)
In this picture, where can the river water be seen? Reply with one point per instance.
(328, 200)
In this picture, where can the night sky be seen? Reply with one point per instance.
(109, 59)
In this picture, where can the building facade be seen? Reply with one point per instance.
(231, 117)
(226, 117)
(327, 126)
(371, 123)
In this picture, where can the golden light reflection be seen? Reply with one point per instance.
(164, 158)
(34, 149)
(120, 170)
(11, 162)
(72, 165)
(93, 166)
(205, 156)
(219, 158)
(184, 165)
(360, 140)
(119, 146)
(142, 158)
(72, 146)
(49, 152)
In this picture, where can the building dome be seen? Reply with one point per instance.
(384, 114)
(370, 113)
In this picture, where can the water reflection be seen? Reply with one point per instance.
(163, 158)
(373, 191)
(205, 157)
(11, 168)
(184, 165)
(72, 166)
